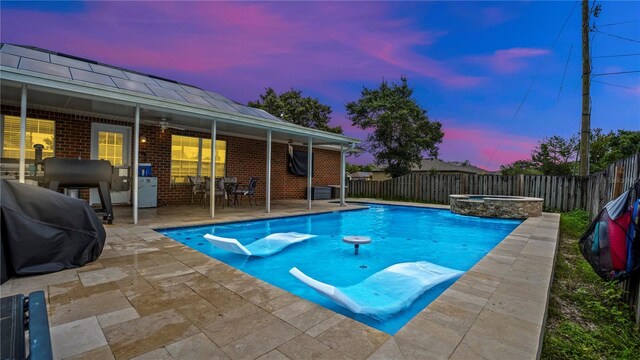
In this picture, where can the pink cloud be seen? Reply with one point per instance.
(339, 118)
(634, 90)
(509, 61)
(494, 16)
(221, 41)
(479, 14)
(484, 147)
(403, 58)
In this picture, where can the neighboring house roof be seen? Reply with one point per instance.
(361, 174)
(442, 166)
(435, 165)
(19, 61)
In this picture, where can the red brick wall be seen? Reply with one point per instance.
(245, 157)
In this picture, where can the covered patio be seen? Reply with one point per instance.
(189, 215)
(37, 81)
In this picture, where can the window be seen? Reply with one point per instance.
(221, 156)
(191, 156)
(110, 145)
(38, 132)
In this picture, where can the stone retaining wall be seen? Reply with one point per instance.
(511, 207)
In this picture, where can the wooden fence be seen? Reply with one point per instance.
(563, 193)
(560, 193)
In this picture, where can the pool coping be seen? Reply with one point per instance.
(497, 309)
(244, 220)
(486, 313)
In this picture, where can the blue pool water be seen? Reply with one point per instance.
(398, 233)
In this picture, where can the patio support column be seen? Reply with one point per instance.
(23, 132)
(212, 182)
(268, 180)
(343, 166)
(136, 151)
(309, 170)
(136, 162)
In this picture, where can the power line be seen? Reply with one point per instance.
(616, 85)
(619, 23)
(616, 73)
(563, 25)
(610, 56)
(566, 65)
(526, 95)
(616, 36)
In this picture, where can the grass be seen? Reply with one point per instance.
(587, 318)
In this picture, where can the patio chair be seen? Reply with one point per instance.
(196, 187)
(249, 191)
(22, 315)
(219, 191)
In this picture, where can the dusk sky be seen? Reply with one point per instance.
(470, 63)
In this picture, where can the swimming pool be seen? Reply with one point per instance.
(398, 233)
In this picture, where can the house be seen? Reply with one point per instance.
(361, 175)
(435, 166)
(79, 108)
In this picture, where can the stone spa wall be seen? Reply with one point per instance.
(506, 207)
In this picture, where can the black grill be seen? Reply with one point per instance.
(75, 173)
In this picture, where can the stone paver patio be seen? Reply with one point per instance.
(150, 297)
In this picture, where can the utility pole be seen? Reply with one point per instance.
(585, 128)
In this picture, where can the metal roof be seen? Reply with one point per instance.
(88, 71)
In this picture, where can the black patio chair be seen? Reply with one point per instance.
(249, 191)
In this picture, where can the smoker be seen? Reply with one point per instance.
(76, 173)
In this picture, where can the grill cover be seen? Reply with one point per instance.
(44, 231)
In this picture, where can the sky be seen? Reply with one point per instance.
(499, 76)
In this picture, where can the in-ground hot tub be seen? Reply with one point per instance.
(506, 207)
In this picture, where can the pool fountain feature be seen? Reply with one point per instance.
(505, 207)
(356, 241)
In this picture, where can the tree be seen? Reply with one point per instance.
(556, 155)
(608, 148)
(293, 107)
(598, 149)
(400, 130)
(525, 167)
(460, 163)
(351, 168)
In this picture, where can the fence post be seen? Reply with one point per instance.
(618, 181)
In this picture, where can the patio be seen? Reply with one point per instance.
(196, 214)
(149, 297)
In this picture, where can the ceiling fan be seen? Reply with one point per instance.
(164, 125)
